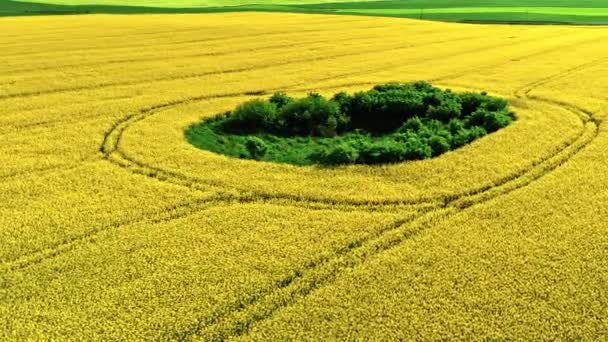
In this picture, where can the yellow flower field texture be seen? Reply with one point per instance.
(112, 226)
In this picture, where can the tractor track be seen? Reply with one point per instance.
(111, 152)
(156, 57)
(235, 319)
(273, 65)
(188, 41)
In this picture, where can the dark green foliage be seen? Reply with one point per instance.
(412, 125)
(250, 117)
(471, 102)
(445, 107)
(381, 152)
(390, 123)
(385, 108)
(313, 115)
(439, 145)
(573, 12)
(280, 99)
(283, 116)
(343, 100)
(417, 149)
(343, 153)
(490, 121)
(256, 147)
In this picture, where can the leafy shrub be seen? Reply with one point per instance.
(455, 126)
(459, 139)
(497, 121)
(385, 111)
(252, 116)
(313, 115)
(343, 100)
(447, 108)
(466, 136)
(339, 154)
(471, 102)
(381, 152)
(490, 121)
(414, 124)
(280, 99)
(256, 147)
(416, 149)
(476, 133)
(389, 123)
(439, 145)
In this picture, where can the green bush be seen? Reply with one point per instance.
(490, 121)
(447, 108)
(252, 116)
(416, 149)
(414, 124)
(389, 123)
(455, 126)
(280, 99)
(471, 102)
(439, 144)
(339, 154)
(385, 111)
(256, 147)
(343, 100)
(475, 133)
(382, 152)
(312, 116)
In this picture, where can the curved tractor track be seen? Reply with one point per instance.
(190, 198)
(111, 151)
(236, 318)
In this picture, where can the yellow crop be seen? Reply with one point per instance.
(112, 226)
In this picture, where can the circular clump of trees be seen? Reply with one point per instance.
(389, 123)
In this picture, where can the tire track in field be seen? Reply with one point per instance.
(296, 279)
(49, 252)
(50, 123)
(110, 147)
(130, 47)
(48, 32)
(36, 42)
(172, 212)
(19, 127)
(154, 57)
(374, 70)
(262, 66)
(199, 54)
(443, 78)
(36, 37)
(237, 318)
(455, 203)
(112, 152)
(265, 66)
(192, 41)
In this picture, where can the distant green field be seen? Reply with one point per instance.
(489, 10)
(185, 3)
(346, 4)
(524, 11)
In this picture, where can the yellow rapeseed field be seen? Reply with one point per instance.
(113, 227)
